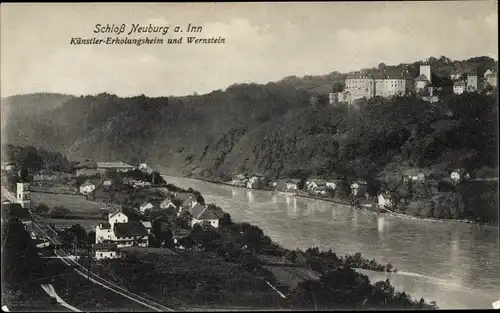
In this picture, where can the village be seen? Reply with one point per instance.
(122, 227)
(374, 195)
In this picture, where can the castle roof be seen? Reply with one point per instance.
(421, 78)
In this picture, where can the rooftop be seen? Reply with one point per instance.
(202, 212)
(421, 78)
(106, 247)
(113, 165)
(130, 229)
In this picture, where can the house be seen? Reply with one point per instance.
(188, 204)
(487, 72)
(320, 191)
(459, 175)
(146, 206)
(143, 167)
(312, 184)
(359, 188)
(8, 166)
(330, 185)
(239, 180)
(202, 214)
(472, 79)
(121, 231)
(273, 184)
(384, 199)
(421, 83)
(147, 225)
(106, 183)
(459, 87)
(167, 203)
(491, 79)
(413, 175)
(109, 167)
(106, 251)
(292, 184)
(255, 181)
(457, 74)
(87, 188)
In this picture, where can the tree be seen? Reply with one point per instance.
(338, 87)
(20, 261)
(91, 237)
(41, 209)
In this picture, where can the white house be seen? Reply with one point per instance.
(106, 183)
(147, 225)
(87, 188)
(145, 206)
(106, 251)
(167, 203)
(145, 168)
(256, 181)
(459, 175)
(330, 185)
(201, 213)
(121, 231)
(292, 184)
(488, 72)
(321, 190)
(312, 184)
(384, 200)
(459, 88)
(413, 174)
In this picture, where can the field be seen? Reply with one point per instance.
(88, 296)
(291, 276)
(31, 298)
(196, 279)
(78, 205)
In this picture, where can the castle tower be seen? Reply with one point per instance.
(23, 195)
(426, 71)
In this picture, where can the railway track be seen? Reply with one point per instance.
(45, 231)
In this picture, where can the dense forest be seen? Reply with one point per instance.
(281, 129)
(35, 159)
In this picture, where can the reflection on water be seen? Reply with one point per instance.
(355, 218)
(250, 196)
(234, 192)
(380, 227)
(455, 264)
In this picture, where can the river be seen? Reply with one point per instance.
(457, 265)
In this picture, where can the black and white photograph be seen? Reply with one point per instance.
(249, 156)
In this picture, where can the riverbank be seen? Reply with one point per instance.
(345, 202)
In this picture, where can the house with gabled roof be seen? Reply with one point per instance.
(106, 251)
(167, 203)
(314, 183)
(146, 206)
(292, 184)
(121, 231)
(201, 214)
(87, 187)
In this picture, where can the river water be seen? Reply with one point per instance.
(456, 265)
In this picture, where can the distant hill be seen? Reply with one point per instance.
(286, 128)
(21, 109)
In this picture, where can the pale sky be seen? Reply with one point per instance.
(264, 42)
